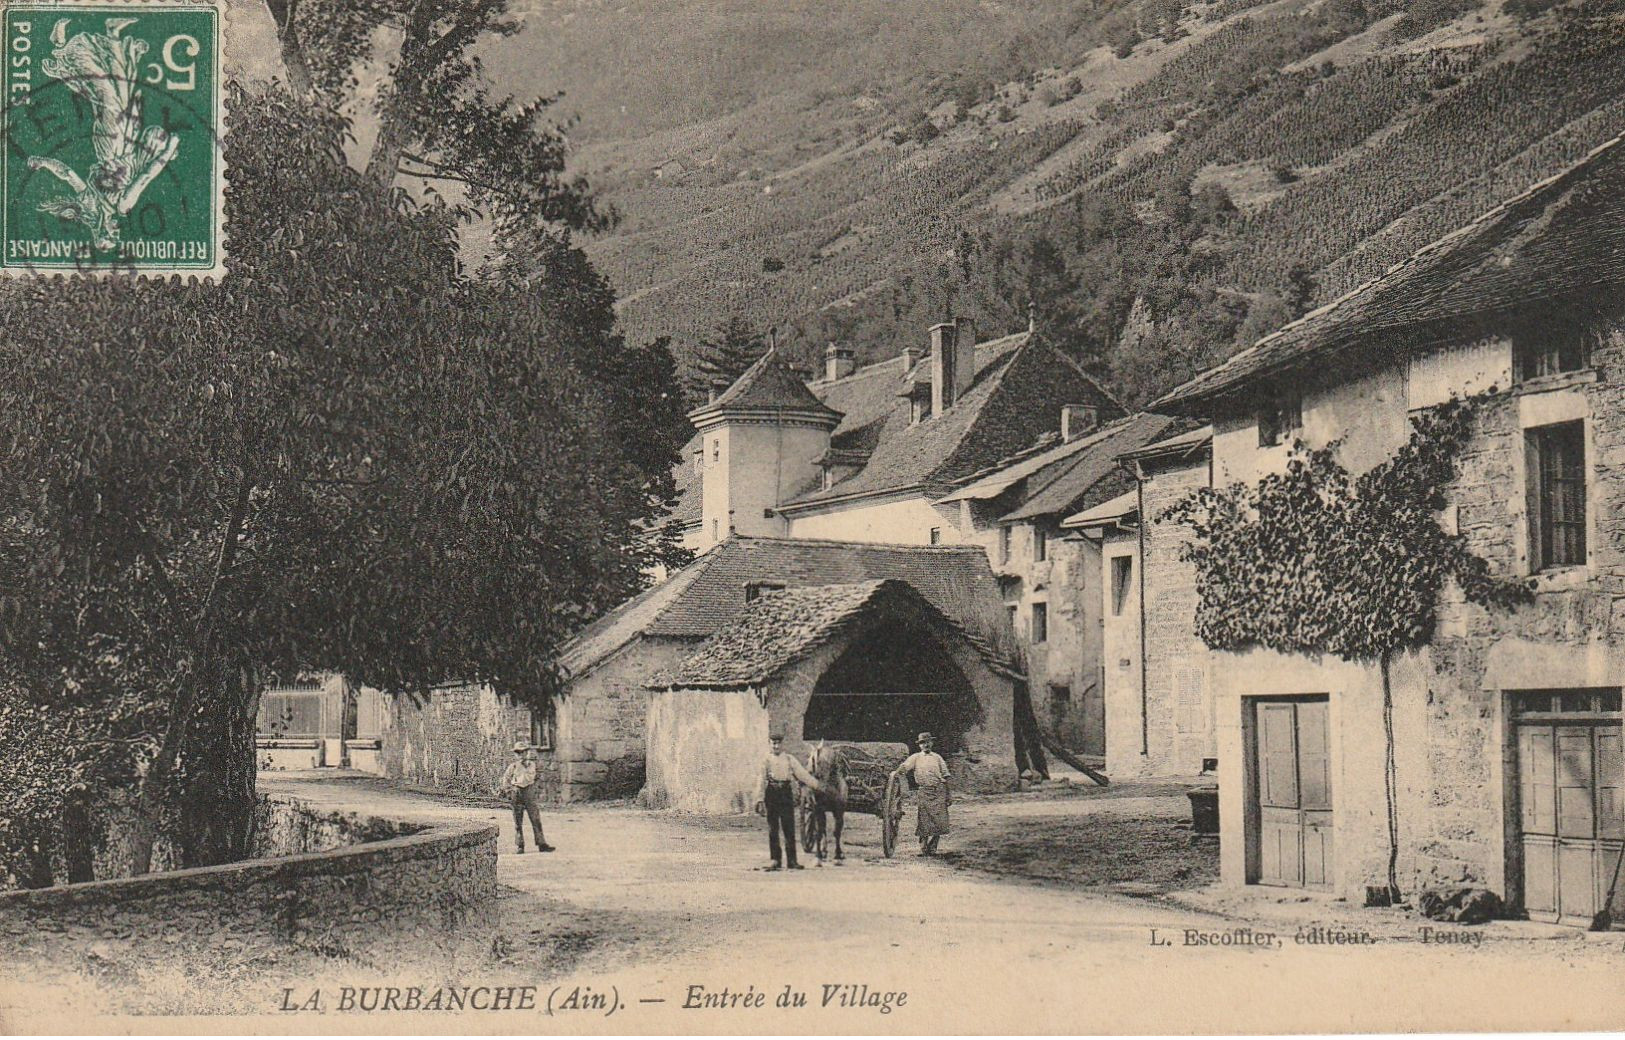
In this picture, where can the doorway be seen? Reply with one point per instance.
(1290, 818)
(1570, 818)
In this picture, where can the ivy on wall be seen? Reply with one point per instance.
(1318, 560)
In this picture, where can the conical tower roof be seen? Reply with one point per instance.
(768, 385)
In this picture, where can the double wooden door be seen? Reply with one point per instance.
(1570, 815)
(1292, 811)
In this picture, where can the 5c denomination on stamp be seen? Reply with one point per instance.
(112, 120)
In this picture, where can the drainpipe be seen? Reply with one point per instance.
(1145, 693)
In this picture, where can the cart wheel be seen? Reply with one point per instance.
(891, 816)
(809, 820)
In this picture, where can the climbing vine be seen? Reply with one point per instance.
(1318, 560)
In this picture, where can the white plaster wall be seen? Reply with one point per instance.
(904, 520)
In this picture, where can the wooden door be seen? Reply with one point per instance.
(1294, 793)
(1569, 776)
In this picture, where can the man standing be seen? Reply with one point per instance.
(930, 774)
(525, 795)
(781, 773)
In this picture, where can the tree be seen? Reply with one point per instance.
(438, 119)
(345, 457)
(723, 357)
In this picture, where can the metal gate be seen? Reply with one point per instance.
(1292, 818)
(1569, 813)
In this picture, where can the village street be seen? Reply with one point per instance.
(648, 905)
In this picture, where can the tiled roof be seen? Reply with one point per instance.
(769, 383)
(1016, 396)
(1561, 243)
(707, 594)
(1188, 443)
(1091, 474)
(1021, 382)
(1111, 511)
(782, 627)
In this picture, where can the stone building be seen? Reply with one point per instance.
(1158, 707)
(595, 743)
(864, 453)
(318, 721)
(1507, 745)
(870, 663)
(1050, 585)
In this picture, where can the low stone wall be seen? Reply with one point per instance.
(417, 888)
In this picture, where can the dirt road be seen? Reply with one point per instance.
(665, 912)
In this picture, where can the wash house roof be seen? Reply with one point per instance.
(782, 627)
(1559, 244)
(709, 593)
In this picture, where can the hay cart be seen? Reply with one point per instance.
(870, 788)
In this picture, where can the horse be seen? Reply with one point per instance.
(828, 766)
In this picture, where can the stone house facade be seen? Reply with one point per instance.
(1506, 726)
(1158, 704)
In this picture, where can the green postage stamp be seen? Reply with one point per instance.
(113, 120)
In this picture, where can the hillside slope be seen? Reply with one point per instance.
(854, 168)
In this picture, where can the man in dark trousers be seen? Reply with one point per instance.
(524, 792)
(782, 772)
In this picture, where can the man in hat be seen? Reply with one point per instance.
(929, 771)
(781, 772)
(525, 795)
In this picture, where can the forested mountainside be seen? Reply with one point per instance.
(1163, 181)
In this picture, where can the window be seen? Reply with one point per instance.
(1557, 472)
(1553, 350)
(936, 536)
(827, 475)
(1279, 421)
(1122, 577)
(1004, 544)
(1040, 633)
(716, 530)
(1012, 611)
(756, 589)
(1060, 703)
(541, 731)
(1595, 701)
(716, 451)
(1040, 544)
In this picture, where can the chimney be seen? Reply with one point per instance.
(839, 361)
(965, 344)
(1077, 420)
(943, 359)
(719, 386)
(911, 357)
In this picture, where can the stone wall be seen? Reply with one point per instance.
(458, 738)
(416, 890)
(602, 721)
(1178, 727)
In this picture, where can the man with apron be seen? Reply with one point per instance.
(929, 771)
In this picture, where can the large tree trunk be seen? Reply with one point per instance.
(216, 797)
(286, 15)
(79, 842)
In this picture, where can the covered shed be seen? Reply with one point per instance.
(868, 663)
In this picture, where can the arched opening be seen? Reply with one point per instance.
(894, 680)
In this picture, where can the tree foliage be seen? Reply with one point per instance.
(344, 457)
